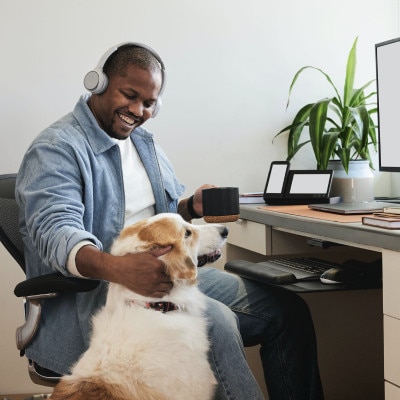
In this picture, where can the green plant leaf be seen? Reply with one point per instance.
(295, 130)
(350, 73)
(316, 127)
(344, 155)
(317, 69)
(361, 126)
(337, 108)
(328, 146)
(358, 96)
(296, 149)
(372, 130)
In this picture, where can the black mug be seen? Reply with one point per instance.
(221, 204)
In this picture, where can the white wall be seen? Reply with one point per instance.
(229, 65)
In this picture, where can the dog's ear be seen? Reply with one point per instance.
(180, 265)
(149, 234)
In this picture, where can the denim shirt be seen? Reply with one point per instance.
(70, 188)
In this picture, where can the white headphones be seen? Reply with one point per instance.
(96, 81)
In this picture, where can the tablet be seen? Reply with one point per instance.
(308, 184)
(285, 186)
(276, 180)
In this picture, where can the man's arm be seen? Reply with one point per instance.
(192, 207)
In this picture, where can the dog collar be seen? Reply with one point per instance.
(163, 306)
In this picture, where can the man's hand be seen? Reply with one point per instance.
(143, 273)
(198, 198)
(197, 203)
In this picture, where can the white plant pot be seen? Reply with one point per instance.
(355, 186)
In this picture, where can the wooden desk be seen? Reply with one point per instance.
(371, 367)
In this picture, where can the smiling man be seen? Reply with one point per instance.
(131, 97)
(97, 170)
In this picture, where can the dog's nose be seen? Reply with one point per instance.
(224, 232)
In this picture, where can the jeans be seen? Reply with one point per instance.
(278, 320)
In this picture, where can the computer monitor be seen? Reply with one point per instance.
(387, 56)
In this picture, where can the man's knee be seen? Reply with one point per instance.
(220, 318)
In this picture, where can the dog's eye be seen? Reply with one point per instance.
(188, 233)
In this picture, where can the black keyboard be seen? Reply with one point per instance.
(281, 270)
(287, 271)
(308, 265)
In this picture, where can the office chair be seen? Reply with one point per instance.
(34, 290)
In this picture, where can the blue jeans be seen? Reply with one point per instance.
(276, 319)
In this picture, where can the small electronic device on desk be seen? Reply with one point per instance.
(389, 199)
(289, 187)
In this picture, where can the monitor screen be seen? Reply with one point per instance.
(387, 55)
(302, 184)
(308, 183)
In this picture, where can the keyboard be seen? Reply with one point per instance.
(309, 266)
(281, 271)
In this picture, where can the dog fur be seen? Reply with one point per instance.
(138, 353)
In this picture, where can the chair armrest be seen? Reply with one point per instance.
(37, 289)
(54, 283)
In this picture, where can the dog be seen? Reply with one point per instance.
(150, 348)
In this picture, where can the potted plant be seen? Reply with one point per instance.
(339, 127)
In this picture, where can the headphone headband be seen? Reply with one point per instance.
(96, 81)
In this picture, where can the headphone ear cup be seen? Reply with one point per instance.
(96, 81)
(157, 108)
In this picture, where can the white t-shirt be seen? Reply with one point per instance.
(139, 197)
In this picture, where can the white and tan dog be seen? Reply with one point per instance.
(138, 350)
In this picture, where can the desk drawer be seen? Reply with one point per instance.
(391, 279)
(391, 334)
(391, 392)
(251, 236)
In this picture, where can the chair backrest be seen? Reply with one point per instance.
(12, 241)
(9, 231)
